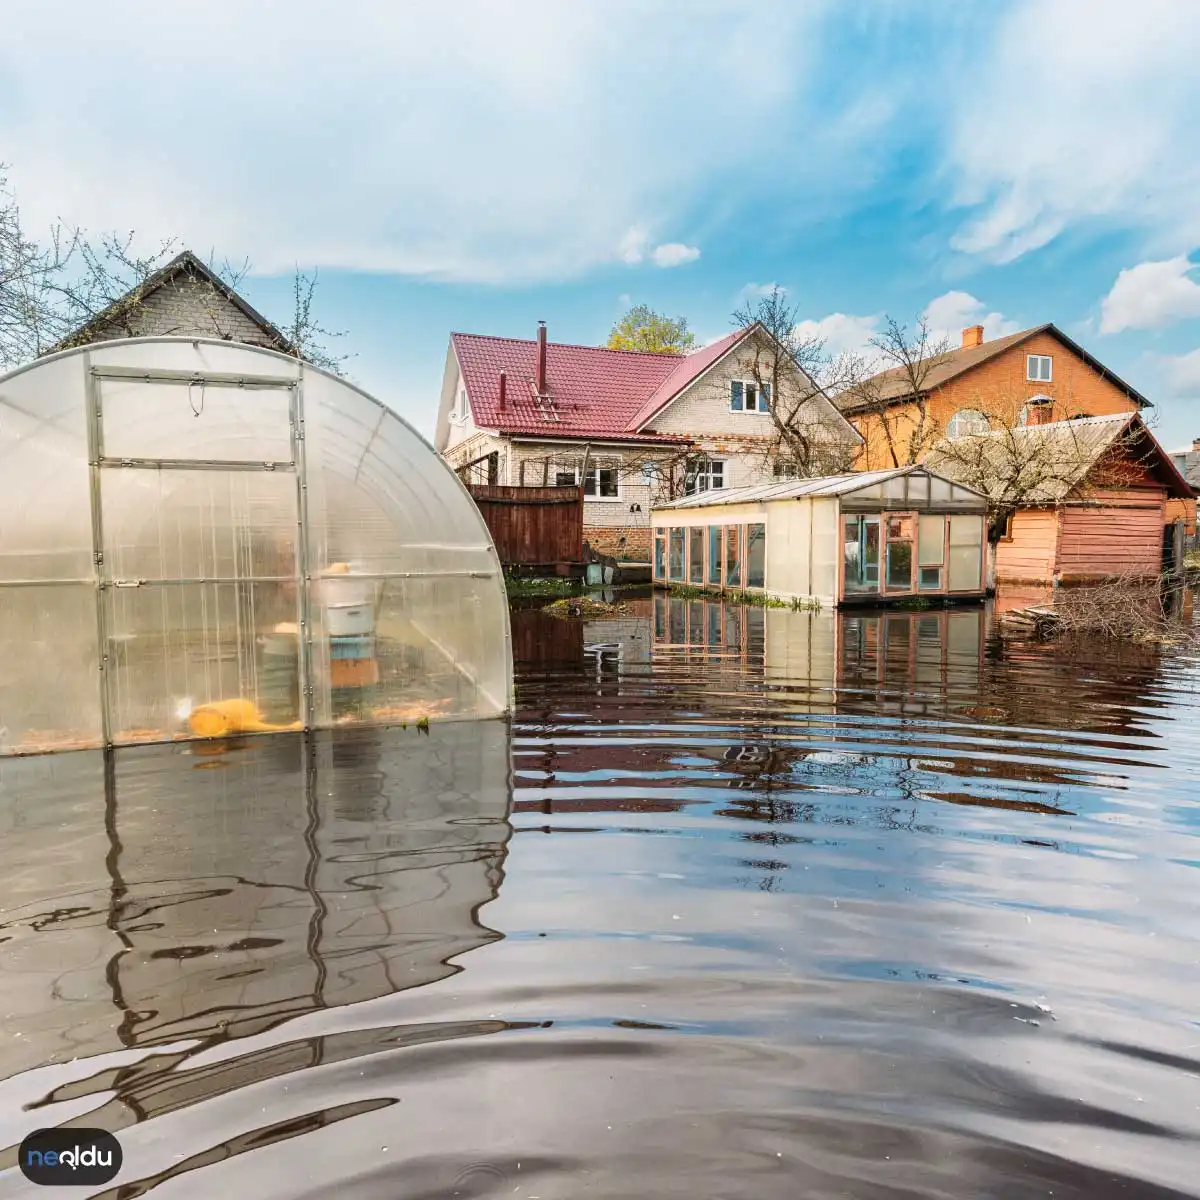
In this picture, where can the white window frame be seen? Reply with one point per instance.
(760, 390)
(951, 432)
(461, 408)
(1033, 374)
(702, 477)
(595, 466)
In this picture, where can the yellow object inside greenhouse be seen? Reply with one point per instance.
(225, 717)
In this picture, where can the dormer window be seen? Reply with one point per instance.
(747, 395)
(1038, 368)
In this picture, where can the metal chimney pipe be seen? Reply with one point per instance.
(503, 388)
(541, 358)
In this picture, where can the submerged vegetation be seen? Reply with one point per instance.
(684, 591)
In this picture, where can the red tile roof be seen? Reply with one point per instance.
(595, 392)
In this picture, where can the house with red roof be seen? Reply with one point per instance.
(631, 428)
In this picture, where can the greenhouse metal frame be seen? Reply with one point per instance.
(197, 487)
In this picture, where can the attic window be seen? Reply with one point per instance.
(461, 408)
(747, 395)
(1038, 367)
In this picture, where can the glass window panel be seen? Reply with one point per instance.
(714, 623)
(931, 541)
(899, 566)
(736, 395)
(930, 578)
(49, 669)
(676, 555)
(965, 563)
(660, 617)
(966, 530)
(696, 623)
(918, 488)
(756, 556)
(894, 489)
(714, 554)
(696, 554)
(733, 560)
(660, 554)
(173, 524)
(45, 488)
(150, 418)
(861, 553)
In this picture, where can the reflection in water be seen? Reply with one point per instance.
(782, 904)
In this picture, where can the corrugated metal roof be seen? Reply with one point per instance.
(594, 392)
(794, 489)
(1044, 464)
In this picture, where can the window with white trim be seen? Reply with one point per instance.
(703, 474)
(965, 422)
(1038, 367)
(600, 483)
(461, 408)
(747, 395)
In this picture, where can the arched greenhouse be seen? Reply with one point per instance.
(201, 538)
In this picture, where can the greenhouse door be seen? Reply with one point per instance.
(197, 512)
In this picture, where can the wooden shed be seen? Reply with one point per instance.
(1093, 503)
(865, 538)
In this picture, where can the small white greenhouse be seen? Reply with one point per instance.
(867, 537)
(202, 538)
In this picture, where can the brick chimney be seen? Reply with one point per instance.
(972, 336)
(503, 388)
(540, 377)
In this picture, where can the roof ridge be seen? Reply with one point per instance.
(651, 354)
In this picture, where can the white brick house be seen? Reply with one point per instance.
(631, 427)
(181, 299)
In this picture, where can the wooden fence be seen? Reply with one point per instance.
(533, 526)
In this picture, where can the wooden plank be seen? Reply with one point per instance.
(533, 525)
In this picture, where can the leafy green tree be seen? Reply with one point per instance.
(641, 328)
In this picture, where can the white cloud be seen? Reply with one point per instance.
(841, 332)
(949, 314)
(1150, 295)
(518, 149)
(1082, 110)
(1182, 375)
(674, 254)
(632, 247)
(759, 291)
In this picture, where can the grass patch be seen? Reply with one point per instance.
(555, 586)
(684, 591)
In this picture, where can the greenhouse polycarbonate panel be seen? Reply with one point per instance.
(49, 669)
(378, 497)
(45, 506)
(179, 524)
(966, 553)
(183, 544)
(174, 647)
(432, 653)
(197, 420)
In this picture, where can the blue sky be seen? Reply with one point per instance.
(481, 165)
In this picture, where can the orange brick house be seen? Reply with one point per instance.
(1034, 377)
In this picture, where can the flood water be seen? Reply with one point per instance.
(748, 903)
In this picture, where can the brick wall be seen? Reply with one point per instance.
(607, 539)
(186, 307)
(999, 388)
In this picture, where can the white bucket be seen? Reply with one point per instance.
(349, 620)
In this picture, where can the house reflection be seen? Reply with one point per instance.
(253, 882)
(848, 716)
